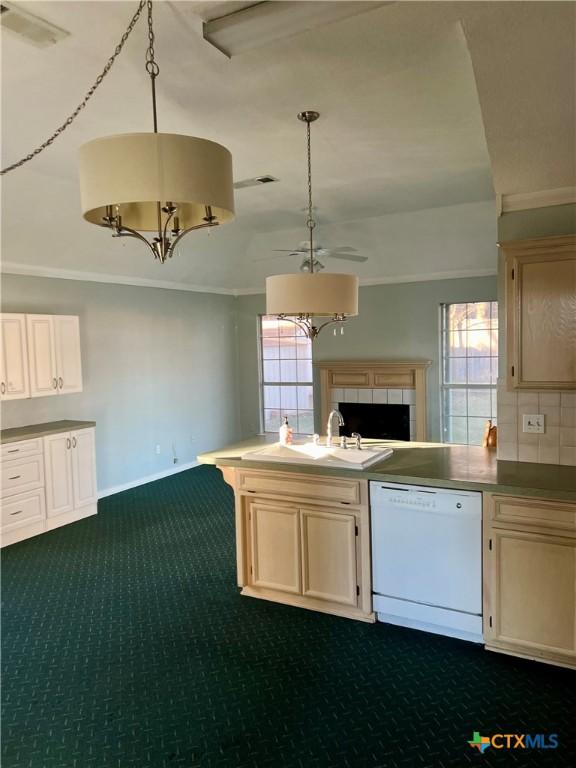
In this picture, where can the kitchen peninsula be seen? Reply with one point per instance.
(303, 536)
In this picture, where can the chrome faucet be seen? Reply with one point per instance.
(329, 425)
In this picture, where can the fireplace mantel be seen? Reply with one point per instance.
(376, 374)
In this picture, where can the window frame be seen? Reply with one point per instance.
(444, 386)
(262, 382)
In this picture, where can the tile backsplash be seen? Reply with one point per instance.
(557, 445)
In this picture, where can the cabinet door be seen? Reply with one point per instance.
(58, 472)
(275, 546)
(329, 556)
(541, 313)
(68, 361)
(532, 604)
(14, 382)
(42, 355)
(84, 467)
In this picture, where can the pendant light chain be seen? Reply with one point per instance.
(310, 223)
(69, 120)
(151, 66)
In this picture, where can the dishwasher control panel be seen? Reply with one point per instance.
(420, 497)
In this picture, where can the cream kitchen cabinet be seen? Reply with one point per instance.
(14, 380)
(70, 467)
(530, 578)
(329, 556)
(54, 354)
(48, 479)
(303, 540)
(541, 313)
(275, 546)
(59, 485)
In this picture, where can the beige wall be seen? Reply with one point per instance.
(159, 369)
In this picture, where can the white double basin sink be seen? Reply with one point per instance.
(313, 454)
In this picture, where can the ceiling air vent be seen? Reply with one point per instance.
(29, 28)
(256, 181)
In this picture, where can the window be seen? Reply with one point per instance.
(285, 375)
(469, 337)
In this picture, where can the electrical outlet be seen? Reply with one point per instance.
(533, 423)
(158, 450)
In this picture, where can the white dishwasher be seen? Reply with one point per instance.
(427, 558)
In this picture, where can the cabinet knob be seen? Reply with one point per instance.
(68, 443)
(60, 382)
(74, 442)
(54, 384)
(3, 388)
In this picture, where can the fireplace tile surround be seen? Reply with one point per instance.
(378, 382)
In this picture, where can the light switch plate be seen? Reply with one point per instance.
(533, 423)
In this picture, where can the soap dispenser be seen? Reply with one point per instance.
(286, 432)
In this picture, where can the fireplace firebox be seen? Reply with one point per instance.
(384, 421)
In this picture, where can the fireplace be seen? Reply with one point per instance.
(384, 421)
(348, 383)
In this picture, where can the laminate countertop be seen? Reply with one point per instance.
(431, 464)
(41, 430)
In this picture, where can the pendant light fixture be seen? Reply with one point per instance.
(164, 183)
(307, 295)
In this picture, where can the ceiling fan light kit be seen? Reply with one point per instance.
(307, 295)
(165, 183)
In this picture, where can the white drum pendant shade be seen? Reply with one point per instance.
(135, 171)
(317, 294)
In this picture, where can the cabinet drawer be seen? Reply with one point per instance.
(23, 509)
(22, 475)
(534, 514)
(328, 489)
(22, 448)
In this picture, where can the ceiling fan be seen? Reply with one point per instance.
(344, 252)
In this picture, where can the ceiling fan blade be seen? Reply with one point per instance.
(279, 256)
(343, 248)
(287, 250)
(348, 256)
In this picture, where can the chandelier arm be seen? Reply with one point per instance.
(304, 325)
(179, 237)
(335, 319)
(166, 223)
(127, 232)
(70, 119)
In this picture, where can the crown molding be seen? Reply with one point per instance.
(32, 270)
(426, 277)
(544, 198)
(421, 277)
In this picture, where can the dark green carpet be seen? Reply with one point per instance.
(126, 644)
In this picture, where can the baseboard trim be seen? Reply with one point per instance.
(148, 479)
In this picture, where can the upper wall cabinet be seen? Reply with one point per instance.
(541, 313)
(14, 381)
(68, 360)
(54, 354)
(40, 355)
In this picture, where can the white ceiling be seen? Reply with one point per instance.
(424, 106)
